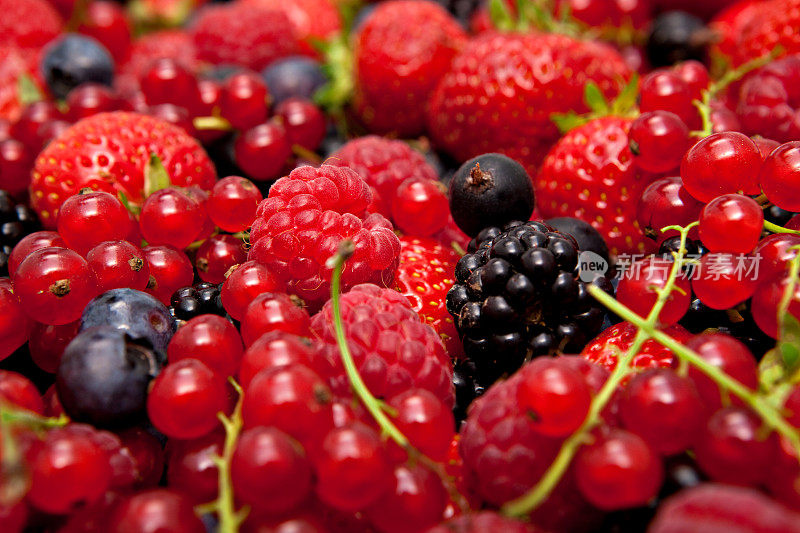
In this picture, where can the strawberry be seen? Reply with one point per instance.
(14, 62)
(28, 23)
(589, 174)
(110, 152)
(774, 23)
(501, 91)
(312, 20)
(402, 50)
(425, 274)
(242, 34)
(613, 342)
(728, 25)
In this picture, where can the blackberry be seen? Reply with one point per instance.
(16, 221)
(518, 295)
(466, 389)
(200, 299)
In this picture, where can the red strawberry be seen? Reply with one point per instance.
(425, 274)
(28, 23)
(612, 343)
(312, 20)
(728, 25)
(110, 152)
(402, 50)
(589, 174)
(774, 23)
(501, 91)
(14, 62)
(241, 34)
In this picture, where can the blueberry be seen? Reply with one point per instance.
(73, 60)
(137, 313)
(293, 76)
(490, 190)
(103, 377)
(676, 36)
(589, 239)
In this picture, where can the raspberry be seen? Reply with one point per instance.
(483, 521)
(392, 347)
(384, 164)
(242, 34)
(174, 44)
(716, 508)
(300, 225)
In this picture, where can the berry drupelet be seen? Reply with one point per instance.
(517, 295)
(16, 221)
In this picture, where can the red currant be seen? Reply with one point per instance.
(89, 218)
(232, 203)
(262, 151)
(244, 100)
(163, 510)
(168, 82)
(695, 75)
(765, 147)
(173, 114)
(211, 339)
(779, 176)
(637, 290)
(303, 121)
(19, 391)
(170, 270)
(54, 285)
(659, 140)
(108, 22)
(730, 356)
(191, 467)
(89, 99)
(185, 398)
(766, 301)
(664, 90)
(425, 420)
(665, 202)
(722, 280)
(47, 343)
(171, 217)
(274, 349)
(731, 223)
(416, 503)
(243, 284)
(269, 312)
(119, 264)
(147, 453)
(721, 163)
(420, 207)
(16, 162)
(217, 255)
(31, 243)
(26, 128)
(14, 323)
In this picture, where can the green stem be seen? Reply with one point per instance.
(555, 472)
(774, 228)
(229, 518)
(768, 413)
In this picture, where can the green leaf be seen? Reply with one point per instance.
(155, 176)
(27, 90)
(568, 121)
(500, 15)
(626, 99)
(594, 98)
(789, 343)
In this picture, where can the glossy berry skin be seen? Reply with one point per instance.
(162, 510)
(19, 391)
(278, 348)
(68, 470)
(555, 396)
(664, 409)
(217, 255)
(618, 470)
(90, 99)
(665, 202)
(170, 270)
(636, 290)
(243, 284)
(103, 377)
(118, 264)
(244, 101)
(14, 323)
(730, 356)
(137, 313)
(185, 398)
(731, 223)
(31, 243)
(191, 468)
(108, 23)
(723, 280)
(735, 448)
(658, 140)
(15, 165)
(262, 151)
(775, 254)
(425, 420)
(352, 468)
(778, 177)
(75, 59)
(211, 339)
(420, 207)
(169, 82)
(170, 217)
(54, 285)
(416, 503)
(270, 312)
(721, 163)
(305, 123)
(766, 302)
(47, 344)
(232, 203)
(293, 399)
(666, 91)
(490, 190)
(270, 471)
(87, 219)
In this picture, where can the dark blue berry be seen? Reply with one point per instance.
(293, 76)
(74, 60)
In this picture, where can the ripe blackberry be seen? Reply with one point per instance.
(200, 299)
(466, 389)
(16, 221)
(517, 295)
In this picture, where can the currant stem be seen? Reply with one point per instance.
(774, 228)
(788, 293)
(539, 493)
(229, 518)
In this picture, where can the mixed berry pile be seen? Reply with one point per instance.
(401, 266)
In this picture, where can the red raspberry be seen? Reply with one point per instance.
(424, 276)
(612, 343)
(300, 225)
(173, 44)
(384, 164)
(714, 508)
(483, 521)
(393, 348)
(243, 34)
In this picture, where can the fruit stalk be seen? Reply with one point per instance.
(539, 493)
